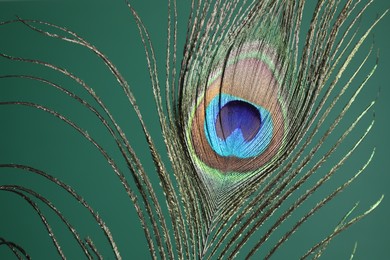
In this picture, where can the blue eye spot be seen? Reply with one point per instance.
(235, 127)
(241, 115)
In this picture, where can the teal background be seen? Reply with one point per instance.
(35, 138)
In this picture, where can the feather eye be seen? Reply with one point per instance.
(239, 124)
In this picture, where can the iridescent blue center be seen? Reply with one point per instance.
(236, 127)
(240, 115)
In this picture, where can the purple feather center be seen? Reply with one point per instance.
(238, 115)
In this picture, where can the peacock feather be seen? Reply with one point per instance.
(237, 146)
